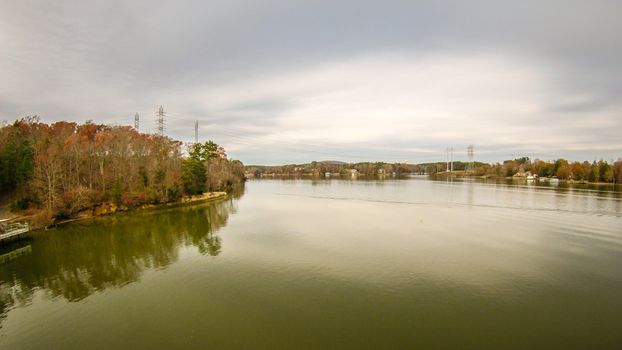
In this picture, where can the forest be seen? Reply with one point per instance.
(596, 171)
(55, 171)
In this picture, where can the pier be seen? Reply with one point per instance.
(10, 230)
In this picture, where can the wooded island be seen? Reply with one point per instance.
(53, 172)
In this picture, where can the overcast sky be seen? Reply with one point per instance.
(279, 82)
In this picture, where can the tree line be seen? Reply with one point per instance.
(323, 167)
(62, 168)
(596, 171)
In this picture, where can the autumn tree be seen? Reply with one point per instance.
(617, 171)
(16, 158)
(64, 168)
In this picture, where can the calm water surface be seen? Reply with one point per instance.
(329, 264)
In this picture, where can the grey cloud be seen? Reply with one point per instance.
(105, 60)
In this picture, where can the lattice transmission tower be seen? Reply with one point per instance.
(196, 131)
(136, 118)
(450, 159)
(160, 114)
(451, 154)
(471, 156)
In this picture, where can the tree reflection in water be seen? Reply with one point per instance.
(79, 259)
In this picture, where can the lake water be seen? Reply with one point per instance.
(329, 264)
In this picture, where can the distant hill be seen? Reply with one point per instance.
(332, 162)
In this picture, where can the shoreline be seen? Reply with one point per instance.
(109, 208)
(455, 175)
(524, 178)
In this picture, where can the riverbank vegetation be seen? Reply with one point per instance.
(335, 168)
(58, 170)
(597, 171)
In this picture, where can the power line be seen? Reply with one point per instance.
(287, 146)
(241, 136)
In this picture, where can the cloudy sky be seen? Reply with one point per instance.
(293, 81)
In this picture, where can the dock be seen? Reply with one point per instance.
(10, 230)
